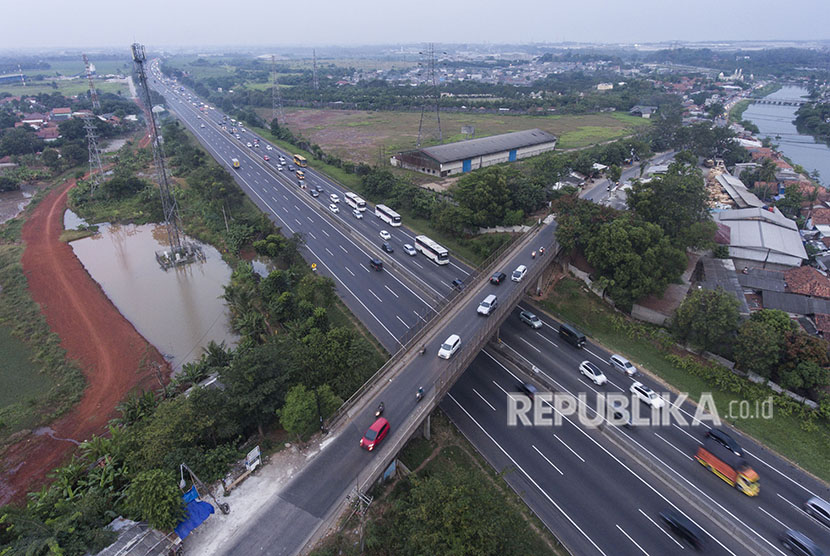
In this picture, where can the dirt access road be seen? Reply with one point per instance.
(114, 357)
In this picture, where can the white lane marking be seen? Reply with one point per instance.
(419, 316)
(632, 540)
(329, 252)
(416, 264)
(285, 209)
(325, 232)
(402, 322)
(310, 220)
(390, 291)
(678, 450)
(547, 340)
(274, 198)
(343, 248)
(284, 196)
(483, 399)
(609, 454)
(569, 448)
(775, 518)
(297, 208)
(526, 474)
(376, 295)
(298, 222)
(531, 345)
(661, 529)
(546, 459)
(686, 433)
(349, 271)
(312, 236)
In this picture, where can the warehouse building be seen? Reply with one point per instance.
(465, 156)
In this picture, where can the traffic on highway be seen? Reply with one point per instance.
(612, 489)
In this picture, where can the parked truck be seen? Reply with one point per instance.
(733, 469)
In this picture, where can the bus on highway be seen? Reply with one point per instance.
(300, 161)
(388, 215)
(433, 251)
(354, 201)
(235, 162)
(300, 175)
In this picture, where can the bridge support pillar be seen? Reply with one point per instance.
(425, 427)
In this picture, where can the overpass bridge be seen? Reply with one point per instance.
(318, 495)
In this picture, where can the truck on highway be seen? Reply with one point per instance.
(235, 162)
(733, 469)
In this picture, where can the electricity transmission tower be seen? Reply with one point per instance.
(168, 201)
(22, 77)
(276, 96)
(314, 69)
(96, 169)
(431, 98)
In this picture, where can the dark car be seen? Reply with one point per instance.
(291, 167)
(799, 543)
(721, 437)
(528, 389)
(376, 264)
(498, 278)
(314, 193)
(458, 284)
(319, 188)
(386, 247)
(683, 527)
(376, 433)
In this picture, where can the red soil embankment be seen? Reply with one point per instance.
(114, 357)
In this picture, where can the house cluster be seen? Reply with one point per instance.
(46, 124)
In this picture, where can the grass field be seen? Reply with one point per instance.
(76, 67)
(364, 136)
(66, 88)
(783, 433)
(20, 377)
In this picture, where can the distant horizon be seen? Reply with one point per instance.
(186, 24)
(758, 44)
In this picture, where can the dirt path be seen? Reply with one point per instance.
(112, 354)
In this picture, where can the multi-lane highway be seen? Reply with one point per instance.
(583, 487)
(591, 493)
(391, 303)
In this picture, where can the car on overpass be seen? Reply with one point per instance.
(450, 346)
(375, 434)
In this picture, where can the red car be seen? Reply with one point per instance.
(267, 158)
(375, 434)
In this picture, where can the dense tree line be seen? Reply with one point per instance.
(814, 119)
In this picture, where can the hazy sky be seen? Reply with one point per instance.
(157, 23)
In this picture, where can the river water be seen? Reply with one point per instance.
(180, 310)
(776, 122)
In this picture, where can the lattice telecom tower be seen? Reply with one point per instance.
(431, 99)
(96, 169)
(314, 69)
(276, 96)
(22, 77)
(180, 252)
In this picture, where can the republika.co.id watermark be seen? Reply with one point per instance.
(548, 409)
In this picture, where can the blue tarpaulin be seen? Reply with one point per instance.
(196, 511)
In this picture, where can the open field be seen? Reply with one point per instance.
(66, 88)
(18, 374)
(361, 136)
(76, 67)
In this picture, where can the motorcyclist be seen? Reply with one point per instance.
(420, 393)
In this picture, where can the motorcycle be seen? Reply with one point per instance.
(379, 410)
(419, 394)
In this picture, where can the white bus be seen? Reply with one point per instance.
(433, 251)
(388, 215)
(354, 201)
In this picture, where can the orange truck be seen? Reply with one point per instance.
(733, 469)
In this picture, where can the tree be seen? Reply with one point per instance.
(676, 202)
(614, 173)
(707, 318)
(637, 257)
(299, 414)
(154, 497)
(758, 348)
(486, 194)
(686, 157)
(20, 140)
(51, 159)
(74, 154)
(803, 361)
(715, 109)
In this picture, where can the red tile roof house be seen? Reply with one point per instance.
(48, 134)
(806, 280)
(35, 119)
(61, 113)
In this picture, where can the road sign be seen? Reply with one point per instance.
(252, 460)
